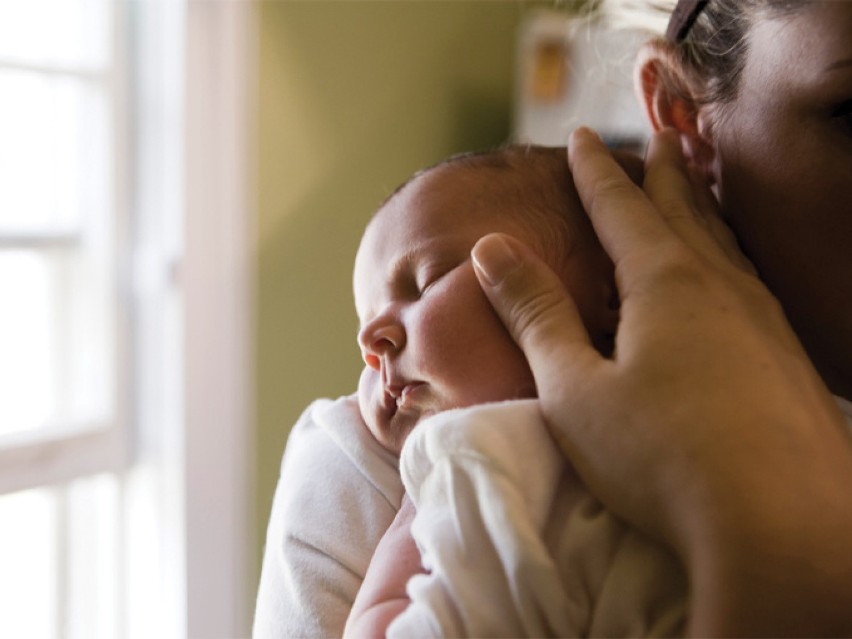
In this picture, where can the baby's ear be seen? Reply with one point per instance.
(667, 92)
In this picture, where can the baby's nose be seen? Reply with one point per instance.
(380, 336)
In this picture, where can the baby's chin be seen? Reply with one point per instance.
(391, 432)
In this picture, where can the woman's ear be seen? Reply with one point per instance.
(667, 94)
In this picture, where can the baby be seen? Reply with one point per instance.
(429, 337)
(512, 542)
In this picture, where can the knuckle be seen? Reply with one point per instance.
(538, 315)
(673, 264)
(613, 188)
(758, 295)
(677, 268)
(673, 208)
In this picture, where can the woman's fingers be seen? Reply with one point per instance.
(673, 203)
(686, 203)
(536, 309)
(623, 217)
(708, 208)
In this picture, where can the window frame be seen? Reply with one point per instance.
(203, 465)
(66, 450)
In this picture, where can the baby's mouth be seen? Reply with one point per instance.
(402, 397)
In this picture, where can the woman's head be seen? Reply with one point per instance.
(761, 92)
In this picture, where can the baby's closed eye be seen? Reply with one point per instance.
(434, 273)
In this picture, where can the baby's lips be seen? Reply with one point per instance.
(389, 405)
(404, 398)
(394, 390)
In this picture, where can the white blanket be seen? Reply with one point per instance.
(515, 544)
(338, 492)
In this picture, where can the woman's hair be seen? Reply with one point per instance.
(713, 52)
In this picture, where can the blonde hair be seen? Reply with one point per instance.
(713, 52)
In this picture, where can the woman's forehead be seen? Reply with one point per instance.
(810, 40)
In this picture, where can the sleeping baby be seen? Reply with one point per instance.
(497, 535)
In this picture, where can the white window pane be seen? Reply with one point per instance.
(54, 160)
(56, 339)
(28, 349)
(59, 561)
(90, 375)
(30, 568)
(61, 32)
(92, 551)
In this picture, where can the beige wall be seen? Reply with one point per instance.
(354, 97)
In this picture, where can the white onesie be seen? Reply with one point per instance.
(516, 546)
(338, 492)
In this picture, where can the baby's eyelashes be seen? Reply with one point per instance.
(435, 273)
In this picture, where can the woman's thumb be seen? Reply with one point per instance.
(535, 307)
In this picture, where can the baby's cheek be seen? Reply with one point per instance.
(367, 388)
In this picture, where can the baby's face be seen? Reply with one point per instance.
(429, 337)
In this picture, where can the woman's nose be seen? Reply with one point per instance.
(380, 336)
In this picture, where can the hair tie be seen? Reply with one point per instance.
(683, 17)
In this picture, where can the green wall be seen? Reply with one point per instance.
(354, 97)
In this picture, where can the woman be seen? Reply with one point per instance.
(713, 427)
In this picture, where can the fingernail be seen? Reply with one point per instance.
(586, 132)
(576, 136)
(494, 258)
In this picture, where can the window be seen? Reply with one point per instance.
(60, 229)
(64, 340)
(124, 498)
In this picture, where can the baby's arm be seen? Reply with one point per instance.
(382, 596)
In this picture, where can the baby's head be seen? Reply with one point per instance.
(429, 337)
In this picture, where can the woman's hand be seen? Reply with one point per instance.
(709, 428)
(382, 596)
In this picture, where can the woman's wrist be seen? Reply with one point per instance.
(774, 558)
(770, 585)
